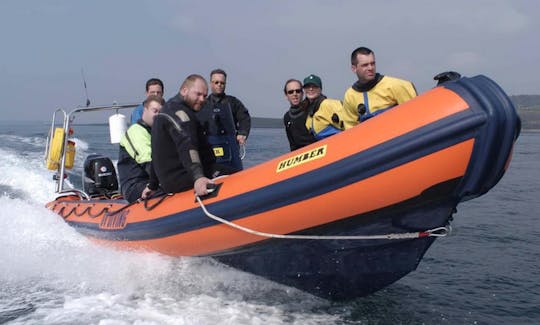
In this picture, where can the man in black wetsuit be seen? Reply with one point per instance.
(242, 120)
(181, 156)
(295, 118)
(225, 121)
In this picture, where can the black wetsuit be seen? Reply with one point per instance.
(180, 152)
(239, 112)
(295, 126)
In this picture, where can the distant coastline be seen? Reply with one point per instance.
(266, 122)
(528, 108)
(530, 120)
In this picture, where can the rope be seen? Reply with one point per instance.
(85, 211)
(123, 208)
(106, 210)
(435, 232)
(242, 151)
(147, 207)
(162, 197)
(61, 212)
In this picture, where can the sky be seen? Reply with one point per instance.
(47, 45)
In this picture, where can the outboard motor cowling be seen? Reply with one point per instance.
(99, 176)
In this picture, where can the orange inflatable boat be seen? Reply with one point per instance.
(341, 218)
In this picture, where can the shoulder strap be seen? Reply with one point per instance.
(132, 146)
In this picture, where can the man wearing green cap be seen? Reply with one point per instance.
(324, 115)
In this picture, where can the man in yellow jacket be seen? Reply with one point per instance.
(373, 93)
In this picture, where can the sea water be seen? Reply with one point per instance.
(486, 272)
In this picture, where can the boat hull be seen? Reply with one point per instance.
(344, 269)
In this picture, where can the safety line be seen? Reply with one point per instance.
(435, 232)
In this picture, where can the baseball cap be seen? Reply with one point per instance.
(313, 79)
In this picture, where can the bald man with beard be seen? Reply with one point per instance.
(181, 156)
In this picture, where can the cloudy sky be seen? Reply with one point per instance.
(121, 44)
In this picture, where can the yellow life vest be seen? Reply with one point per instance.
(327, 120)
(386, 94)
(137, 142)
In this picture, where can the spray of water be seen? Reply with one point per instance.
(51, 274)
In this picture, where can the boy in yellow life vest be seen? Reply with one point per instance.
(324, 115)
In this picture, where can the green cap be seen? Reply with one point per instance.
(314, 80)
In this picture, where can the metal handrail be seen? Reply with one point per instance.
(68, 119)
(51, 131)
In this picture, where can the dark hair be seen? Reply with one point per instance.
(154, 81)
(360, 50)
(153, 98)
(218, 71)
(288, 82)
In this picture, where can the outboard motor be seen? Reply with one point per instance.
(99, 176)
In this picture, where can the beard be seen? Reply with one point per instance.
(195, 104)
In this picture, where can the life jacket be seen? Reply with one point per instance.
(218, 125)
(363, 101)
(136, 141)
(325, 117)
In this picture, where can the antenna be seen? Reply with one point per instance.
(85, 89)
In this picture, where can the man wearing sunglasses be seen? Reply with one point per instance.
(226, 121)
(295, 118)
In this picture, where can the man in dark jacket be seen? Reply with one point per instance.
(295, 118)
(242, 120)
(226, 122)
(181, 156)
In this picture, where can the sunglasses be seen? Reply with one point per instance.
(218, 82)
(292, 91)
